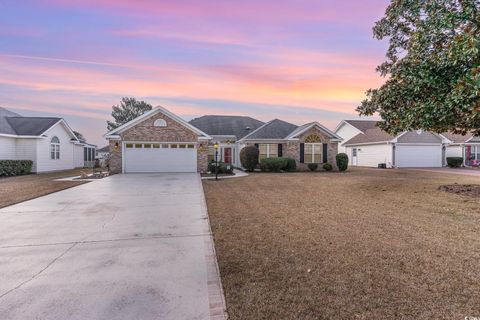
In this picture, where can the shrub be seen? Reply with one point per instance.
(278, 164)
(249, 158)
(342, 161)
(9, 168)
(454, 162)
(291, 165)
(273, 164)
(327, 167)
(224, 168)
(312, 166)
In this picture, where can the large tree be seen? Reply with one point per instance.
(432, 67)
(79, 136)
(128, 109)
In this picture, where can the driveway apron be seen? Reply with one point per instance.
(134, 246)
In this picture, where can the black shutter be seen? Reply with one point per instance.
(302, 152)
(280, 150)
(256, 145)
(325, 156)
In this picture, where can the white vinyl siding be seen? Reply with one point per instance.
(346, 132)
(27, 150)
(8, 148)
(454, 151)
(78, 156)
(372, 155)
(66, 161)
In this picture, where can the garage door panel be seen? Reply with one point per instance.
(418, 156)
(160, 160)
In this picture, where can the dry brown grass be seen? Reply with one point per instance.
(367, 244)
(17, 189)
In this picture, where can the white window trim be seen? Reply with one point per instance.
(313, 144)
(55, 148)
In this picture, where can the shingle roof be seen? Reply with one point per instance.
(371, 133)
(456, 138)
(104, 149)
(275, 129)
(31, 126)
(216, 125)
(15, 124)
(363, 125)
(5, 127)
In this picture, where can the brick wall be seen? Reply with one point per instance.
(146, 131)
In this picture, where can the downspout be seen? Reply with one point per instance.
(393, 154)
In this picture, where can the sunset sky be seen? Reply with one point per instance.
(295, 60)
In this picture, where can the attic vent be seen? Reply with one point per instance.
(247, 128)
(160, 123)
(419, 131)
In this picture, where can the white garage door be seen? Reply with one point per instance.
(160, 157)
(418, 156)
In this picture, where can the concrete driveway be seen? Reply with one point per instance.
(124, 247)
(461, 171)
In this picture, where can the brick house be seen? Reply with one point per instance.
(160, 141)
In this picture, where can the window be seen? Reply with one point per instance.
(267, 150)
(138, 146)
(191, 146)
(147, 145)
(165, 146)
(354, 152)
(174, 146)
(313, 153)
(160, 123)
(182, 146)
(156, 146)
(211, 153)
(55, 148)
(129, 145)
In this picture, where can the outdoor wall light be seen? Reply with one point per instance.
(215, 146)
(116, 146)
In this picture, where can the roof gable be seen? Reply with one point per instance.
(114, 133)
(274, 130)
(296, 133)
(218, 125)
(31, 126)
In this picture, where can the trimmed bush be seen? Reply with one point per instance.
(342, 161)
(327, 167)
(273, 164)
(291, 165)
(312, 166)
(249, 158)
(454, 162)
(10, 168)
(278, 164)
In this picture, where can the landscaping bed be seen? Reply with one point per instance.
(371, 244)
(471, 190)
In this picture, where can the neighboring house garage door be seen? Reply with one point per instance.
(418, 156)
(160, 157)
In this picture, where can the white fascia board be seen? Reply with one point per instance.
(113, 137)
(19, 137)
(367, 143)
(66, 127)
(321, 127)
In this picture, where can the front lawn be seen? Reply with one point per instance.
(17, 189)
(366, 244)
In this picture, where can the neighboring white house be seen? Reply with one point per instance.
(49, 142)
(465, 146)
(368, 145)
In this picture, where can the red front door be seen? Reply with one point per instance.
(227, 155)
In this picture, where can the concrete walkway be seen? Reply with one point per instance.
(124, 247)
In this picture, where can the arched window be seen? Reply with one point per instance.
(55, 148)
(160, 123)
(313, 138)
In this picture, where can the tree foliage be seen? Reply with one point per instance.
(127, 110)
(79, 136)
(432, 67)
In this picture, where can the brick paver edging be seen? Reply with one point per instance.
(216, 298)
